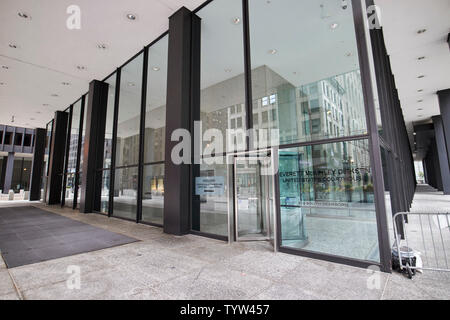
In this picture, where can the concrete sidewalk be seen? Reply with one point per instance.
(162, 266)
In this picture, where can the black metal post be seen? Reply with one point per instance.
(248, 74)
(94, 140)
(38, 164)
(8, 172)
(112, 176)
(374, 142)
(77, 165)
(56, 157)
(178, 112)
(442, 153)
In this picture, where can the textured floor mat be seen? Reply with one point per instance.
(29, 235)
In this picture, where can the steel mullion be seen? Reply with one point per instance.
(113, 146)
(372, 128)
(80, 140)
(248, 74)
(142, 134)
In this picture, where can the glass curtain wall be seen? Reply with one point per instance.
(306, 83)
(154, 135)
(307, 99)
(222, 110)
(127, 140)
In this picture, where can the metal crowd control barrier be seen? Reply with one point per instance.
(427, 234)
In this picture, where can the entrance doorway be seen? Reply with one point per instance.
(254, 197)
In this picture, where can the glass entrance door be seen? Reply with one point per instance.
(254, 200)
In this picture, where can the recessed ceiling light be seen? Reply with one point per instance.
(45, 104)
(23, 15)
(13, 46)
(334, 26)
(236, 20)
(421, 58)
(5, 67)
(81, 67)
(131, 84)
(155, 68)
(420, 90)
(131, 16)
(273, 51)
(65, 83)
(421, 76)
(414, 133)
(54, 95)
(102, 46)
(420, 109)
(421, 31)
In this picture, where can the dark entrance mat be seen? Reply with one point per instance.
(29, 235)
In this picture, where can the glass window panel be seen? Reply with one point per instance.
(222, 69)
(70, 190)
(327, 200)
(128, 125)
(74, 135)
(155, 117)
(125, 193)
(109, 121)
(21, 174)
(80, 177)
(104, 202)
(297, 56)
(213, 206)
(153, 194)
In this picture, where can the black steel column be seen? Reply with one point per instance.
(444, 105)
(38, 164)
(8, 172)
(3, 172)
(178, 116)
(56, 157)
(442, 153)
(94, 140)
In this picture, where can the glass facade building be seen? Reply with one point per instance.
(277, 81)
